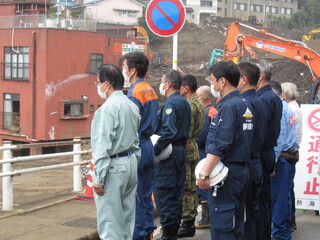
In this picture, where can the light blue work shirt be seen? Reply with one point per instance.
(114, 130)
(288, 136)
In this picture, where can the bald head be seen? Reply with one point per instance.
(205, 95)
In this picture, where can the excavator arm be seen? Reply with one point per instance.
(237, 43)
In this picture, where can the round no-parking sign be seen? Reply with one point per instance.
(314, 120)
(165, 17)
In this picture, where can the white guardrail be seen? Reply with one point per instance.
(7, 159)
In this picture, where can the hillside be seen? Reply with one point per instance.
(195, 44)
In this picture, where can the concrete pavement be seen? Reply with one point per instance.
(64, 218)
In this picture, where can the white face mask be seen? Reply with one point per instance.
(215, 93)
(103, 95)
(126, 79)
(161, 90)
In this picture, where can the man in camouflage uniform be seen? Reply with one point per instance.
(190, 197)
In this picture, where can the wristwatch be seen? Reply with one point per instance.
(202, 176)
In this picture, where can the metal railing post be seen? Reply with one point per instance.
(77, 172)
(7, 186)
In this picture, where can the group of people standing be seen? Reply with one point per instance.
(251, 131)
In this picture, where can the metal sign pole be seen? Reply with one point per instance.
(175, 52)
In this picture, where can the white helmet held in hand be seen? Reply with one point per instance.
(218, 174)
(165, 152)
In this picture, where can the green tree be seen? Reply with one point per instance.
(307, 15)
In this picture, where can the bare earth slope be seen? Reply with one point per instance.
(195, 44)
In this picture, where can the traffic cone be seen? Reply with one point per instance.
(88, 193)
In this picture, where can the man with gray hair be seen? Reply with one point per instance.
(169, 174)
(290, 94)
(273, 109)
(205, 95)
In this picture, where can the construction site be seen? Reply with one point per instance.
(196, 43)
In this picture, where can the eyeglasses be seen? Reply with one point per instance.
(97, 83)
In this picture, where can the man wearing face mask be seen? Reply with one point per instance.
(135, 67)
(229, 140)
(116, 152)
(173, 127)
(190, 197)
(249, 76)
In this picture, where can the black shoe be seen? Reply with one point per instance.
(294, 227)
(168, 233)
(186, 229)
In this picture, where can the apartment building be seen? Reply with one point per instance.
(199, 10)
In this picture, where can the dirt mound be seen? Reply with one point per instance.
(196, 42)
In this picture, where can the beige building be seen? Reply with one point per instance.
(111, 11)
(199, 10)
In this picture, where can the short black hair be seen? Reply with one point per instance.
(112, 74)
(251, 71)
(276, 87)
(137, 60)
(190, 81)
(174, 77)
(227, 69)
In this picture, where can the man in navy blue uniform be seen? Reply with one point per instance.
(169, 176)
(135, 67)
(249, 76)
(273, 108)
(229, 141)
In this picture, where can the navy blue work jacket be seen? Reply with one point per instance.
(260, 127)
(230, 134)
(273, 108)
(173, 122)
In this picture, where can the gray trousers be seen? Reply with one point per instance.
(116, 208)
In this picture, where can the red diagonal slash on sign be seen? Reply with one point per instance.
(165, 15)
(313, 120)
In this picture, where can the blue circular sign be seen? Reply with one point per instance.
(165, 17)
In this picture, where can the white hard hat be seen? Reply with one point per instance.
(165, 152)
(218, 174)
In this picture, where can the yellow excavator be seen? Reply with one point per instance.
(313, 35)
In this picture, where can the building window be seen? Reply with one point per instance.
(273, 10)
(73, 110)
(287, 11)
(16, 63)
(127, 13)
(206, 3)
(11, 112)
(256, 8)
(91, 108)
(240, 6)
(95, 62)
(288, 1)
(219, 9)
